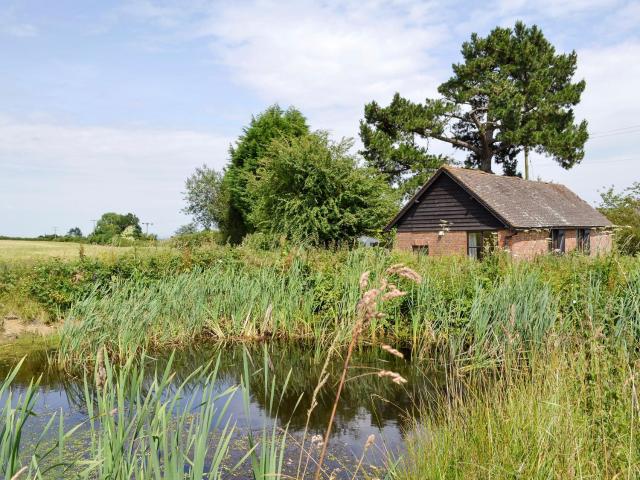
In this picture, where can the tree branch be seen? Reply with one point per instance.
(457, 142)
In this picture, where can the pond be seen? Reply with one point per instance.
(369, 405)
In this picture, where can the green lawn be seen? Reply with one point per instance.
(21, 250)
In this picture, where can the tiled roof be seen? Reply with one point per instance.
(523, 204)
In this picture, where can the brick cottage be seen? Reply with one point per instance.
(465, 212)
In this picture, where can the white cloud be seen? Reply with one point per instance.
(610, 100)
(65, 175)
(330, 57)
(611, 108)
(12, 27)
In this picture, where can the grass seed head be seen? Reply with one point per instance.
(404, 271)
(395, 377)
(392, 351)
(364, 281)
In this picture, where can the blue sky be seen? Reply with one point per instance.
(109, 106)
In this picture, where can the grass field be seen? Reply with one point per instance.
(25, 250)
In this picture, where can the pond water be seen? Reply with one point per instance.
(369, 405)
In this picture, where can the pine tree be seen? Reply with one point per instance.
(511, 94)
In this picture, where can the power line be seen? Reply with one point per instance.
(617, 129)
(614, 134)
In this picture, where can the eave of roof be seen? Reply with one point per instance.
(515, 213)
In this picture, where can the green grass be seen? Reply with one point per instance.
(571, 413)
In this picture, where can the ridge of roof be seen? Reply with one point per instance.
(518, 203)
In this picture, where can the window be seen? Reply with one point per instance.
(474, 245)
(557, 241)
(584, 240)
(421, 249)
(479, 243)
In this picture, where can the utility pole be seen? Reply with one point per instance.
(146, 224)
(55, 231)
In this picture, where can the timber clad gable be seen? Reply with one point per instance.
(446, 201)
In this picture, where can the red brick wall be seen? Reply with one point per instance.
(451, 243)
(601, 242)
(528, 244)
(521, 244)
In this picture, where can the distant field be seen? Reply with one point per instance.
(33, 250)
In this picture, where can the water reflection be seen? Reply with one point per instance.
(369, 404)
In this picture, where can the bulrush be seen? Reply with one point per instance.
(101, 370)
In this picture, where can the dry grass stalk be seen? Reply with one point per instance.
(395, 377)
(364, 281)
(392, 351)
(404, 271)
(366, 310)
(19, 473)
(368, 444)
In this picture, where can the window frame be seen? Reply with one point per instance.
(484, 245)
(559, 240)
(420, 249)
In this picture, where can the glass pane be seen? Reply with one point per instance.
(474, 243)
(475, 239)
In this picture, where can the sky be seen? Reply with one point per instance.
(110, 106)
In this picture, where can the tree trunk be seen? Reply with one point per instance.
(485, 162)
(526, 163)
(487, 151)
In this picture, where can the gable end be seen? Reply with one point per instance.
(443, 200)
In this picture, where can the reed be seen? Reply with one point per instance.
(461, 307)
(572, 414)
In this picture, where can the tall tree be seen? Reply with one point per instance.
(112, 224)
(74, 232)
(273, 123)
(206, 200)
(309, 188)
(512, 93)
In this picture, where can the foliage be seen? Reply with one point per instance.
(206, 200)
(74, 232)
(186, 229)
(111, 225)
(310, 189)
(623, 209)
(512, 92)
(274, 123)
(196, 239)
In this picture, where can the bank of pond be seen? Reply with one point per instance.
(228, 367)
